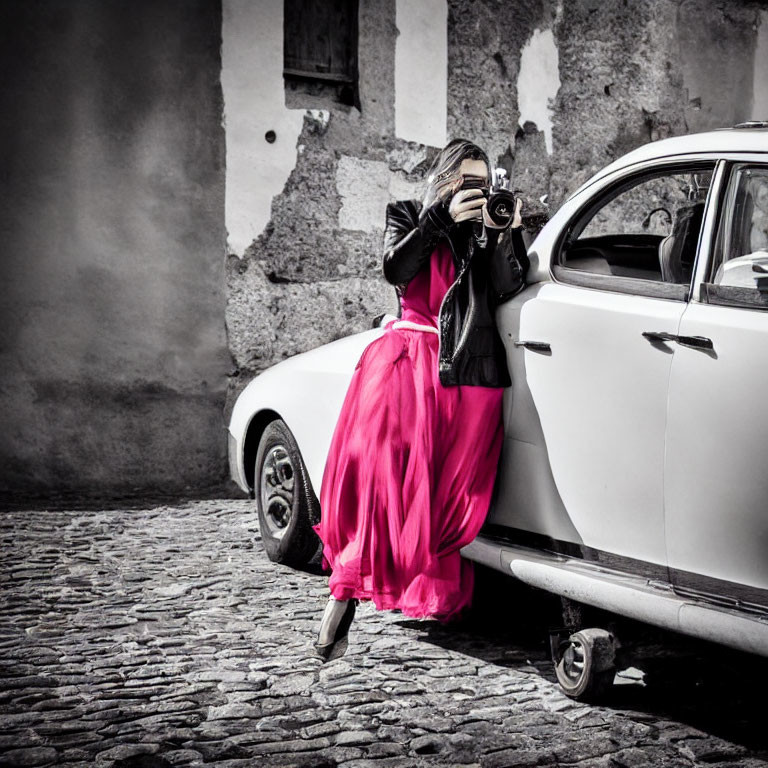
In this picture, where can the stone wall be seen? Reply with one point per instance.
(554, 89)
(113, 352)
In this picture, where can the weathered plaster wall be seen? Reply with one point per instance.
(485, 43)
(554, 89)
(254, 103)
(717, 45)
(113, 353)
(314, 273)
(421, 54)
(114, 357)
(538, 82)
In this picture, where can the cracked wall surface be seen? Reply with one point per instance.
(421, 55)
(640, 71)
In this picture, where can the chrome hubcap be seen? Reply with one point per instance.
(277, 484)
(573, 661)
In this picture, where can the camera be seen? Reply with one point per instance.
(501, 200)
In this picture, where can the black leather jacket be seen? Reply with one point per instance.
(487, 273)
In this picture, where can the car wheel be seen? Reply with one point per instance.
(285, 502)
(586, 664)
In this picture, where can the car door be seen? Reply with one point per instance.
(716, 467)
(590, 392)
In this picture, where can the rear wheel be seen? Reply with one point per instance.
(585, 664)
(285, 501)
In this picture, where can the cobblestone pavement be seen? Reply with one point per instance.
(164, 637)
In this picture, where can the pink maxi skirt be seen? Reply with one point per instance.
(410, 473)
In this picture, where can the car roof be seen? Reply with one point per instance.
(726, 140)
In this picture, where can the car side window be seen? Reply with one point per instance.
(640, 236)
(738, 274)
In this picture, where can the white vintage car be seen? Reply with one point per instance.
(634, 473)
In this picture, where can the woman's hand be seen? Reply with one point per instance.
(516, 222)
(467, 205)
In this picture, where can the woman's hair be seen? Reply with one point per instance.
(445, 167)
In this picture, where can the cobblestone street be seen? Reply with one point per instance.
(163, 636)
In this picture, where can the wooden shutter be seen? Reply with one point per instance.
(320, 40)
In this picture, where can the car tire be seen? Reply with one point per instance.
(286, 504)
(586, 664)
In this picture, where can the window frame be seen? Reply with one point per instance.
(728, 295)
(336, 87)
(632, 285)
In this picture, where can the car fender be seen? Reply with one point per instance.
(306, 391)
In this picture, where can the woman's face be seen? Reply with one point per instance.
(473, 171)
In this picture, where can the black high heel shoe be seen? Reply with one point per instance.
(338, 645)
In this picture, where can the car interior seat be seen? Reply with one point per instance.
(677, 251)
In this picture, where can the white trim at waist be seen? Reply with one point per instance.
(413, 326)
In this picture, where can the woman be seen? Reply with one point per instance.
(412, 462)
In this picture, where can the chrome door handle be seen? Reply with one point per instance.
(534, 346)
(659, 336)
(697, 342)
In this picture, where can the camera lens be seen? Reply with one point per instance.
(501, 206)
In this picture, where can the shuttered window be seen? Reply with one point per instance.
(320, 46)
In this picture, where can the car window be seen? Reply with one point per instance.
(739, 270)
(645, 229)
